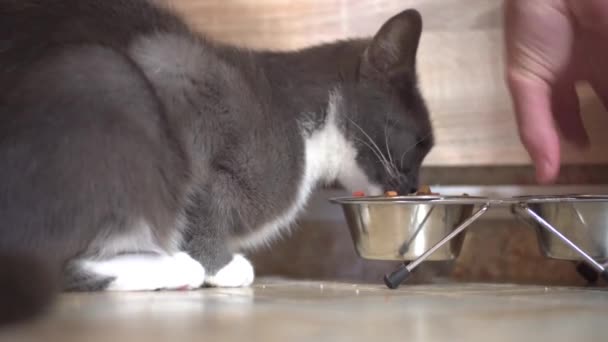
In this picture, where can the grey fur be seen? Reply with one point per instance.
(114, 115)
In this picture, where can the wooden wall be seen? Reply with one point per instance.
(460, 64)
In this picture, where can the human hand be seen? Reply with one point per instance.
(550, 45)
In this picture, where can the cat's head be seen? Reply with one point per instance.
(384, 116)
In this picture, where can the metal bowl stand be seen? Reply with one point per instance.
(397, 277)
(586, 269)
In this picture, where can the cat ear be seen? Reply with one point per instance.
(393, 49)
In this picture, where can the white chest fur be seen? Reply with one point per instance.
(329, 156)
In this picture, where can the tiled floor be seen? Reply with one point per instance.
(275, 310)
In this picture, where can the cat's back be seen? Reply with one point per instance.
(29, 28)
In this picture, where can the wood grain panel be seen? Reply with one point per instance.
(460, 64)
(292, 24)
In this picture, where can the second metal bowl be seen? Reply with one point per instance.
(583, 219)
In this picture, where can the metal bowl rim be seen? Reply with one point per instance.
(413, 200)
(560, 198)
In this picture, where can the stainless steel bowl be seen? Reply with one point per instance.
(582, 219)
(403, 228)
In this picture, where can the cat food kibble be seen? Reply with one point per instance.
(424, 190)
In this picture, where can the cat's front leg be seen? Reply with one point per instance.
(207, 242)
(224, 268)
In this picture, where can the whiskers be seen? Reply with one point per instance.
(428, 135)
(387, 163)
(385, 157)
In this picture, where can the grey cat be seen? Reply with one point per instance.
(140, 155)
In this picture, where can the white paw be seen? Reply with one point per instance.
(140, 272)
(238, 273)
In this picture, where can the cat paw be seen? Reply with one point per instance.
(192, 273)
(150, 272)
(238, 273)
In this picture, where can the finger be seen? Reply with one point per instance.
(538, 37)
(537, 130)
(566, 109)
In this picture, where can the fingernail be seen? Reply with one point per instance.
(546, 171)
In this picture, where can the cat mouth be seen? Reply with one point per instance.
(401, 189)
